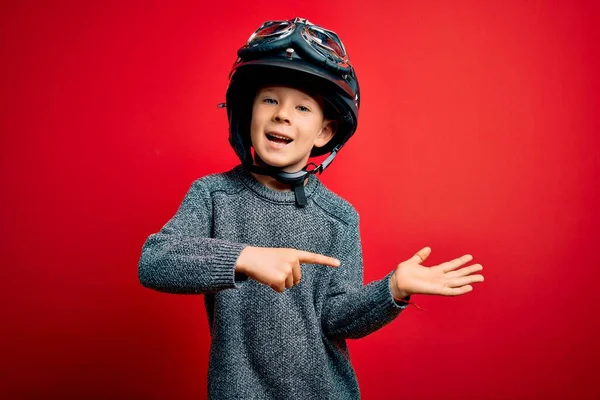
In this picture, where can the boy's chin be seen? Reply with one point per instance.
(286, 167)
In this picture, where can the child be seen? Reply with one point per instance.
(276, 254)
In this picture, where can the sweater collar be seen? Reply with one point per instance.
(275, 195)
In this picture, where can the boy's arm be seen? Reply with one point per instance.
(182, 258)
(351, 309)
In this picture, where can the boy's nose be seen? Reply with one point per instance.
(281, 115)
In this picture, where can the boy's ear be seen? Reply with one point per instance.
(327, 132)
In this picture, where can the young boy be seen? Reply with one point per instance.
(276, 254)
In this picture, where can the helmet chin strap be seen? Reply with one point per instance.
(295, 179)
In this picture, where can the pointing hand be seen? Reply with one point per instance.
(278, 268)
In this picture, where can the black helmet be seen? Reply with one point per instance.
(303, 55)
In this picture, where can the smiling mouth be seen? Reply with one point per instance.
(273, 137)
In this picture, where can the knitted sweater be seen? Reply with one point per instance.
(265, 344)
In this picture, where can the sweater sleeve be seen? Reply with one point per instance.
(352, 310)
(182, 258)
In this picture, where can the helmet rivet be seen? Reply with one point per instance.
(289, 51)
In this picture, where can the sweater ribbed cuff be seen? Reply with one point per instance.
(225, 255)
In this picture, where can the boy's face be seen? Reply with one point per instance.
(286, 124)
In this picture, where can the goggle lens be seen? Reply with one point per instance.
(328, 39)
(325, 41)
(270, 30)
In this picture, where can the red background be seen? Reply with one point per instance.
(478, 134)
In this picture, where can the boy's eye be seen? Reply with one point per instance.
(268, 100)
(303, 108)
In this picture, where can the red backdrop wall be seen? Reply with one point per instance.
(478, 130)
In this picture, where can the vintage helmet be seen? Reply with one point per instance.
(298, 53)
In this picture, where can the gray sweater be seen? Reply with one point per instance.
(265, 344)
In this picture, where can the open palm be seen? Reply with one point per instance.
(446, 279)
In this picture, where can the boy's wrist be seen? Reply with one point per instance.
(240, 262)
(396, 292)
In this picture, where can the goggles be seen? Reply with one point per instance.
(313, 41)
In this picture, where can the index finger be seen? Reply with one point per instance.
(314, 258)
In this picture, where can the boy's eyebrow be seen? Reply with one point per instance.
(304, 96)
(309, 98)
(262, 91)
(316, 100)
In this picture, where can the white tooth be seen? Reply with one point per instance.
(280, 137)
